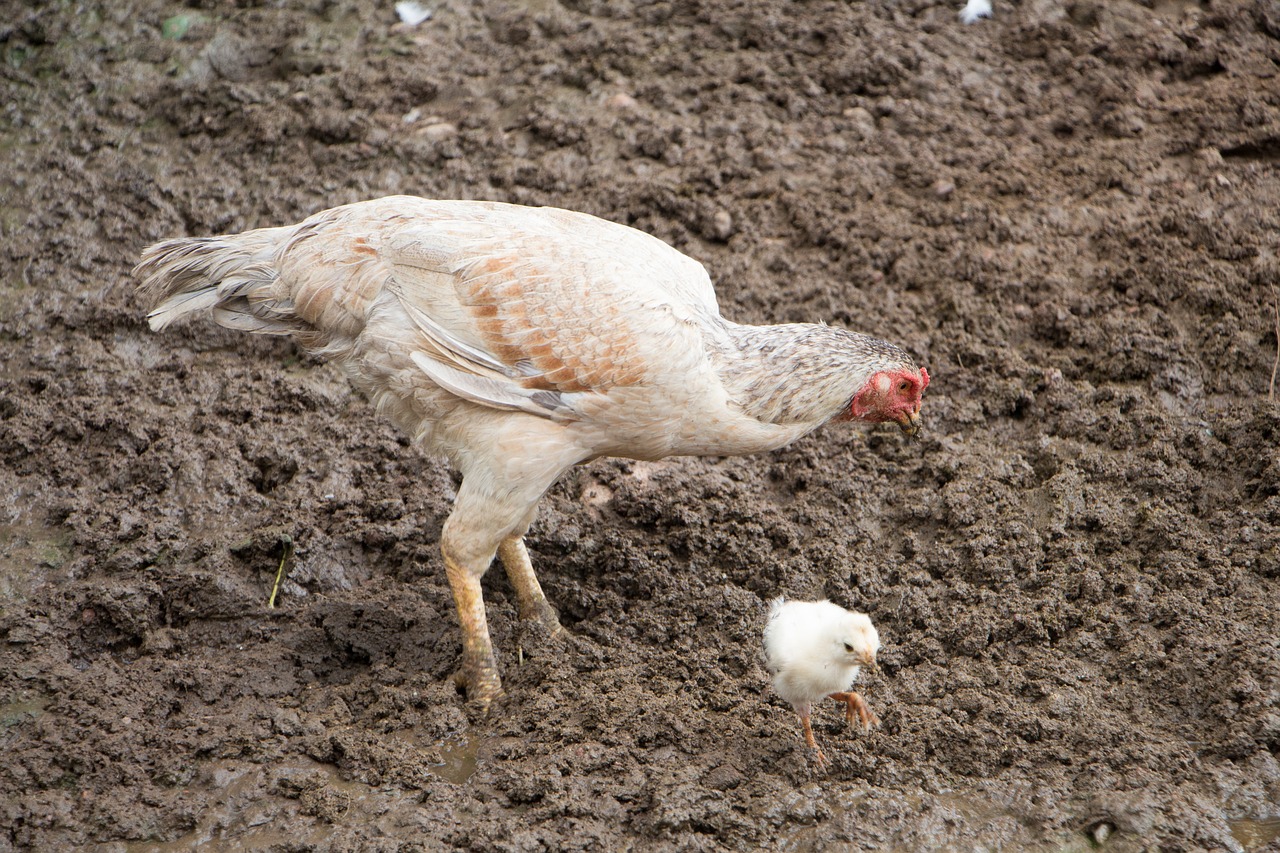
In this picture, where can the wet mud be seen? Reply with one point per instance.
(1069, 213)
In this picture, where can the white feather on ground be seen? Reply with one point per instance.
(412, 13)
(815, 650)
(975, 9)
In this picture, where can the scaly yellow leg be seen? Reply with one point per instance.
(479, 671)
(529, 596)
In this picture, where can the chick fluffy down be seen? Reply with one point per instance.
(804, 643)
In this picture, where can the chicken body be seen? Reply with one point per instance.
(519, 342)
(815, 650)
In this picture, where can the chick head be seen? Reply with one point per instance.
(854, 641)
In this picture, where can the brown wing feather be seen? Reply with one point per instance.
(559, 309)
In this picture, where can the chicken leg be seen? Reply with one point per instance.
(531, 600)
(810, 741)
(489, 520)
(479, 670)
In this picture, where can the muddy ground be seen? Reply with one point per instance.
(1069, 213)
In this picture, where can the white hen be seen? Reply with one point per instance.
(519, 342)
(815, 650)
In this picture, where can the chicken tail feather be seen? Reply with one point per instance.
(231, 278)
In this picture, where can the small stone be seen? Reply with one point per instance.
(1211, 157)
(723, 778)
(862, 120)
(178, 26)
(286, 721)
(1102, 832)
(440, 131)
(1122, 122)
(620, 101)
(943, 188)
(722, 225)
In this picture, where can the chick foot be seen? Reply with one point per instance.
(856, 709)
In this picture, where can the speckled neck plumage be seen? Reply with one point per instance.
(799, 372)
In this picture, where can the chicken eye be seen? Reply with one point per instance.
(905, 386)
(848, 648)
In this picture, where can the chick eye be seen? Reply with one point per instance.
(905, 386)
(848, 648)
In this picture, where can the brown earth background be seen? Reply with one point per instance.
(1069, 213)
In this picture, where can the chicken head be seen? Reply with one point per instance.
(892, 395)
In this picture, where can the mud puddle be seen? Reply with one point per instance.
(1255, 834)
(242, 808)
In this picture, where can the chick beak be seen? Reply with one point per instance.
(869, 661)
(910, 423)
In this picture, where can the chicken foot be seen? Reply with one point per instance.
(856, 709)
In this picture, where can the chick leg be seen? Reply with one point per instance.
(856, 708)
(529, 596)
(808, 739)
(479, 671)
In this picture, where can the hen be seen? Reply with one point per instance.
(519, 342)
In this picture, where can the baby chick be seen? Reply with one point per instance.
(815, 649)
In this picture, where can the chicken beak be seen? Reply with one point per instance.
(910, 423)
(870, 662)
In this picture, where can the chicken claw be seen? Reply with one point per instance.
(856, 709)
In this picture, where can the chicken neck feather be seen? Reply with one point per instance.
(799, 373)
